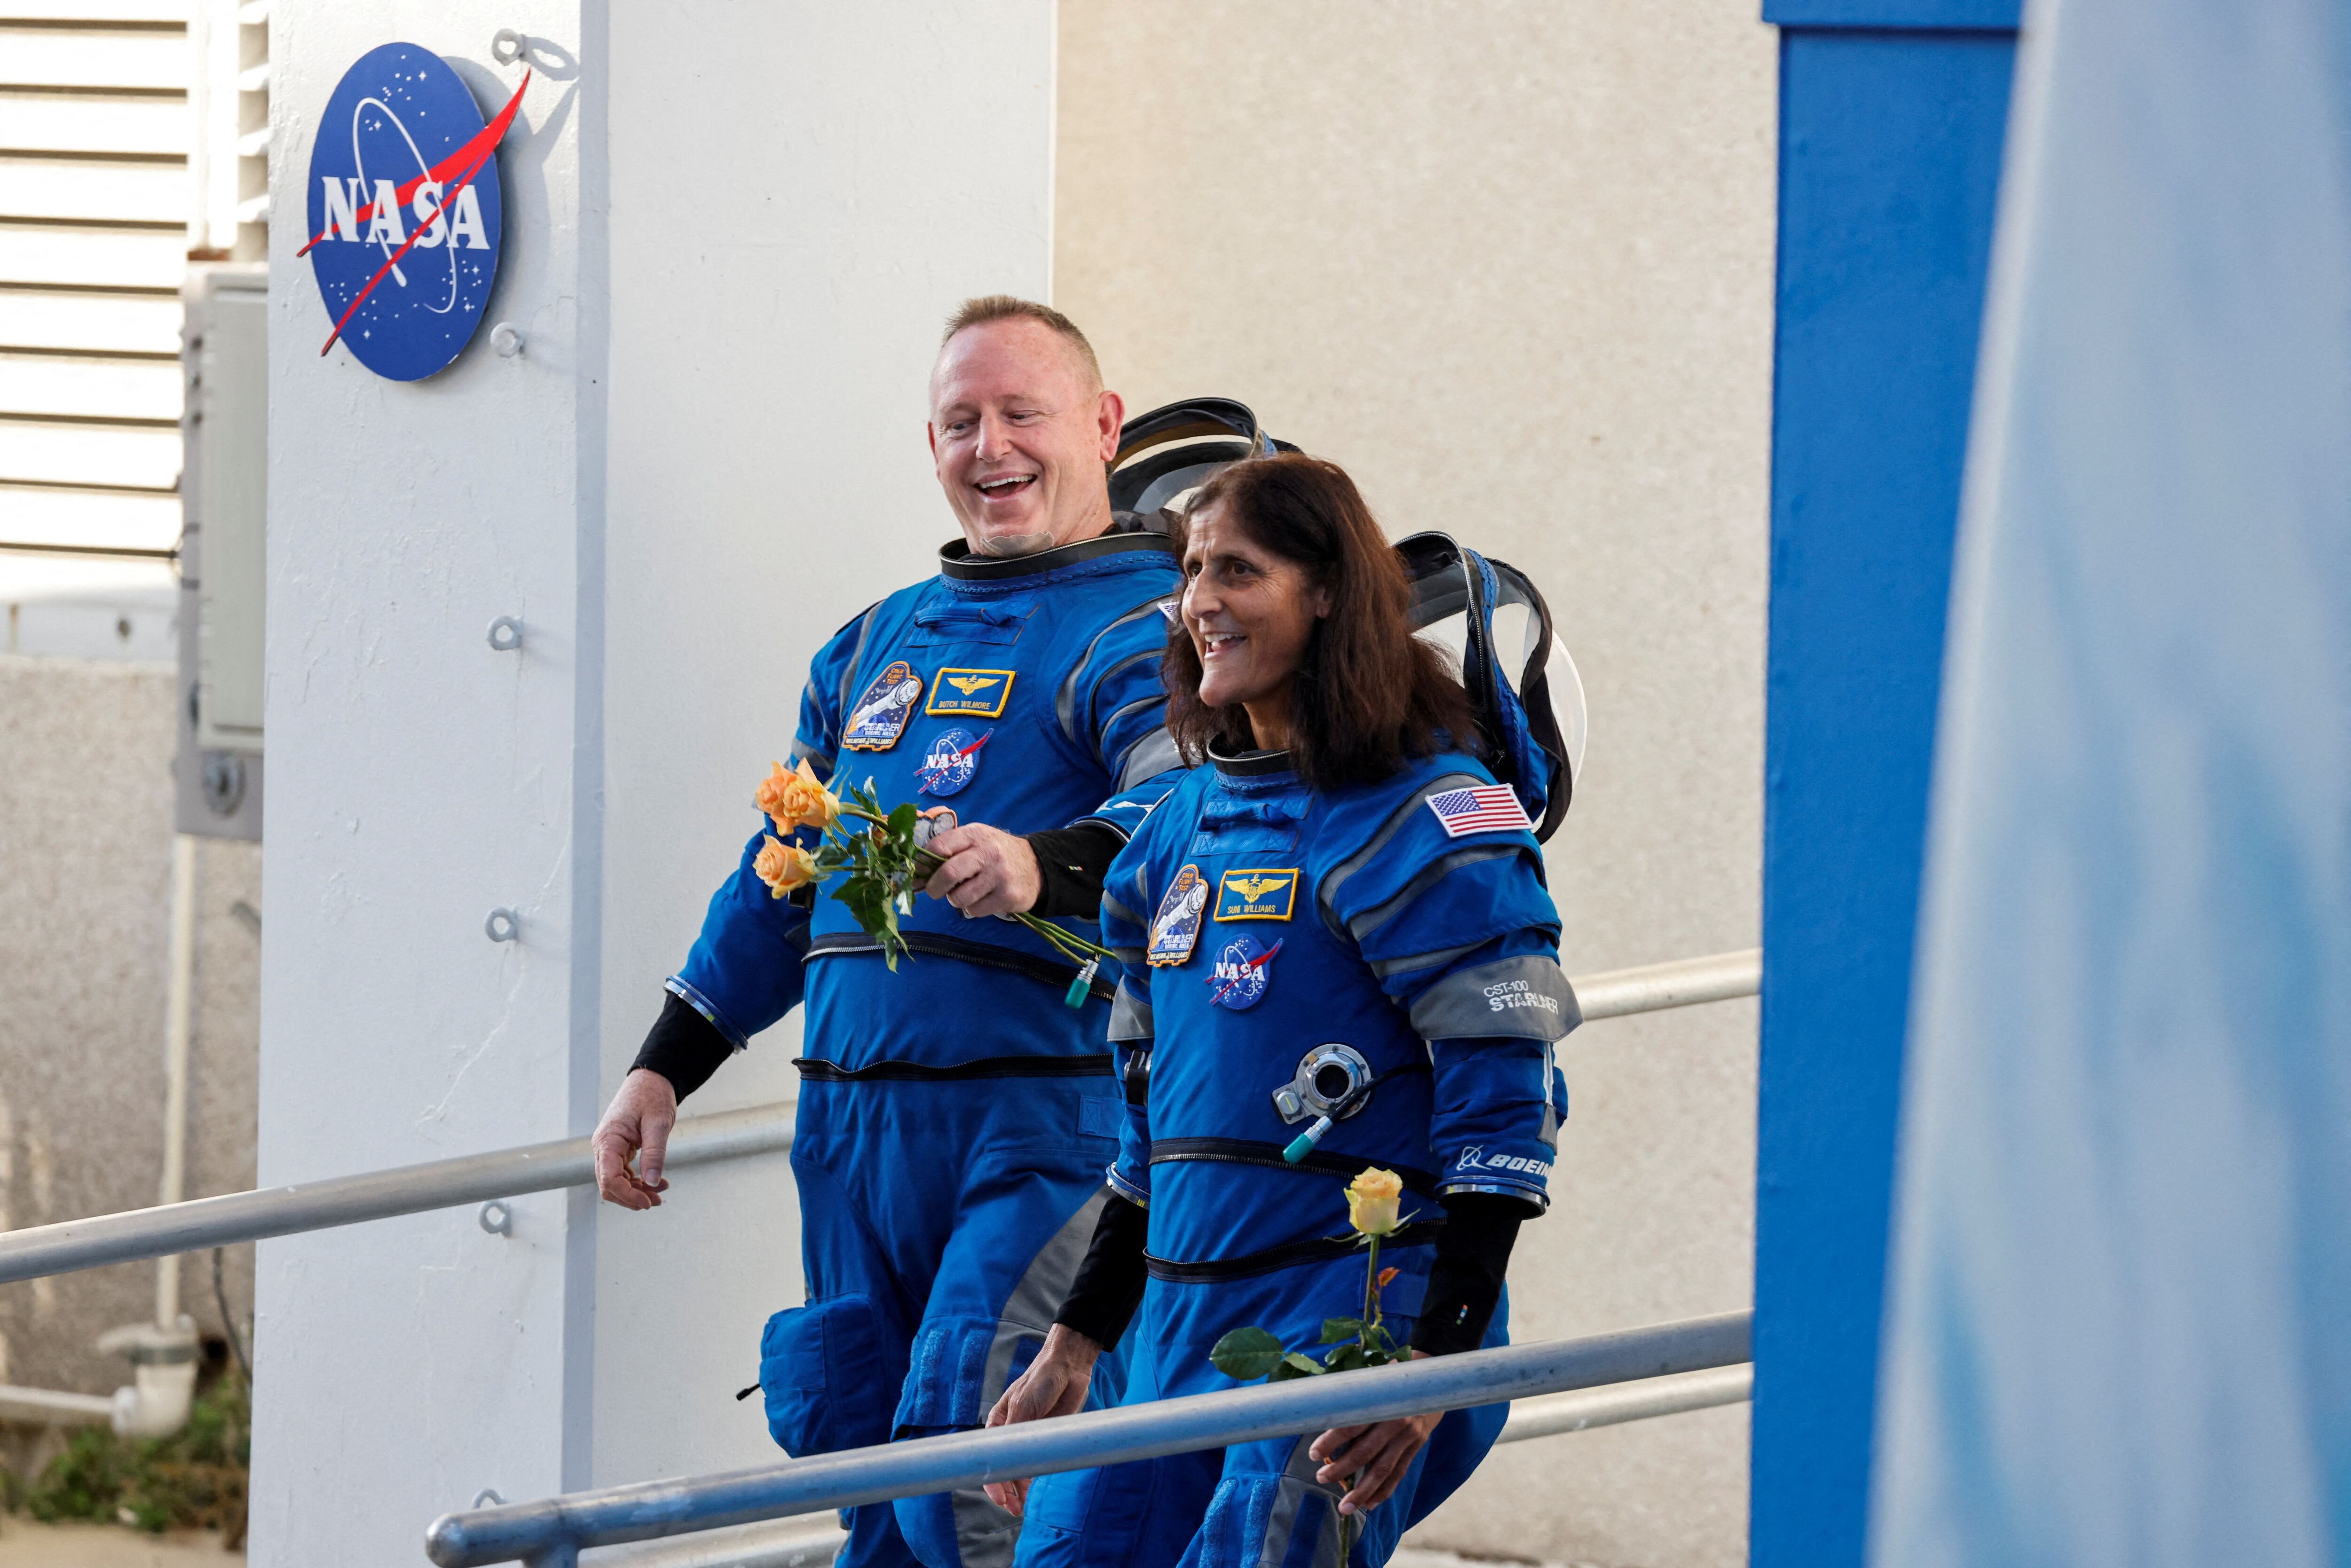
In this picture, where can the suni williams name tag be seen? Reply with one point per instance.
(1257, 893)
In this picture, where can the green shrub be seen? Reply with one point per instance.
(194, 1478)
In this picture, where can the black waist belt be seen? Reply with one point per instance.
(817, 1071)
(986, 955)
(1248, 1151)
(1289, 1255)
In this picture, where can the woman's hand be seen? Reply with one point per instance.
(987, 871)
(1377, 1456)
(1054, 1384)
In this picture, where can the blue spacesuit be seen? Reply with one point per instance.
(1379, 962)
(954, 1116)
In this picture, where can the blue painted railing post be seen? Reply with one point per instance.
(1891, 120)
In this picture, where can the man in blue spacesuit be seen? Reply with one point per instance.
(954, 1116)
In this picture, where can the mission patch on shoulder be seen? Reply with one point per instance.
(881, 714)
(1176, 926)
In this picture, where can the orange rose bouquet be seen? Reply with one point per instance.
(880, 858)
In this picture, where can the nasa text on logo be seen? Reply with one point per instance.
(949, 762)
(1243, 970)
(404, 210)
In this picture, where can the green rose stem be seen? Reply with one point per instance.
(1072, 946)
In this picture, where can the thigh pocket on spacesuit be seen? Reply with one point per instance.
(960, 1369)
(826, 1379)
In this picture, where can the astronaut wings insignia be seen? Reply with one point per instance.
(981, 693)
(1257, 893)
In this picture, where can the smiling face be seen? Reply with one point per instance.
(1249, 613)
(1021, 436)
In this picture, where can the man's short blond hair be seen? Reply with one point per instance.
(987, 308)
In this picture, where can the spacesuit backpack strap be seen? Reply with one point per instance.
(1522, 683)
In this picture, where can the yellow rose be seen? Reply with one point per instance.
(1372, 1201)
(783, 866)
(795, 799)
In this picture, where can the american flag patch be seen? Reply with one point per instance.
(1484, 809)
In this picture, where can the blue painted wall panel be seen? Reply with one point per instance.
(1889, 162)
(1926, 14)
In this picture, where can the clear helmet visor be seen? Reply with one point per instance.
(1517, 632)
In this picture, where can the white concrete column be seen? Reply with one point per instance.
(732, 232)
(801, 192)
(402, 1366)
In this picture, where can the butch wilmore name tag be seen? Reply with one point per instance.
(981, 693)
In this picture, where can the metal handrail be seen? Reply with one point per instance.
(168, 1229)
(1718, 978)
(347, 1200)
(550, 1533)
(796, 1543)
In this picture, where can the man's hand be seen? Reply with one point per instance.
(1376, 1456)
(636, 1126)
(1054, 1384)
(987, 871)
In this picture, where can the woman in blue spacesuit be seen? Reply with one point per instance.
(1335, 925)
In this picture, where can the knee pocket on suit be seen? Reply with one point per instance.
(960, 1366)
(826, 1374)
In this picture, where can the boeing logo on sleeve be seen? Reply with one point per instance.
(404, 212)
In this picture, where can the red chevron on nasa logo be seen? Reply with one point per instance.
(1479, 808)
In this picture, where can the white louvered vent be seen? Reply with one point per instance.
(133, 135)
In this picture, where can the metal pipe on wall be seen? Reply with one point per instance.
(379, 1195)
(178, 1009)
(540, 1167)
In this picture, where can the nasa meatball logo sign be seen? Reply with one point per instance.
(405, 217)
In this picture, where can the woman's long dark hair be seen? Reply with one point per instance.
(1368, 694)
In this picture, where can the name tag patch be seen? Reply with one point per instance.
(880, 716)
(982, 693)
(1257, 893)
(1176, 926)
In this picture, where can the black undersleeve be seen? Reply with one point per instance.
(1466, 1280)
(683, 1046)
(1071, 866)
(1109, 1286)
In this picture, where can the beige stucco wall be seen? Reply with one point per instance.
(85, 920)
(1512, 265)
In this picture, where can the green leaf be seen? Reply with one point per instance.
(1346, 1358)
(1245, 1353)
(1297, 1364)
(901, 824)
(1336, 1329)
